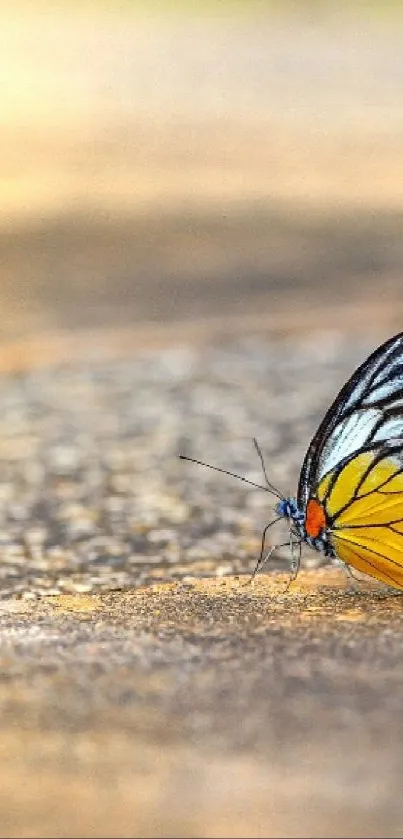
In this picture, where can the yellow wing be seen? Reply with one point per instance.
(364, 506)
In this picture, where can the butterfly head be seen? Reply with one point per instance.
(308, 523)
(288, 508)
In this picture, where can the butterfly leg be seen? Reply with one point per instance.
(358, 582)
(262, 556)
(355, 580)
(261, 561)
(295, 561)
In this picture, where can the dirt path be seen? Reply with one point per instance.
(203, 709)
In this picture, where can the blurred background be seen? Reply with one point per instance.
(174, 162)
(200, 169)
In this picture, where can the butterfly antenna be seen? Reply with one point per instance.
(267, 488)
(260, 454)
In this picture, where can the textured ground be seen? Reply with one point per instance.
(92, 493)
(201, 706)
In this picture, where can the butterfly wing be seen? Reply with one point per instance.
(363, 500)
(354, 466)
(367, 411)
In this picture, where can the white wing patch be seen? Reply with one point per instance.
(368, 411)
(371, 381)
(349, 436)
(390, 429)
(383, 391)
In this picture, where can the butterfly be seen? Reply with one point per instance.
(349, 503)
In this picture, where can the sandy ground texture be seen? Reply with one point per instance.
(92, 492)
(203, 708)
(145, 689)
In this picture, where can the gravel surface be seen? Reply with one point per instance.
(190, 707)
(92, 493)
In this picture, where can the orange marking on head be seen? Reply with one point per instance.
(315, 518)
